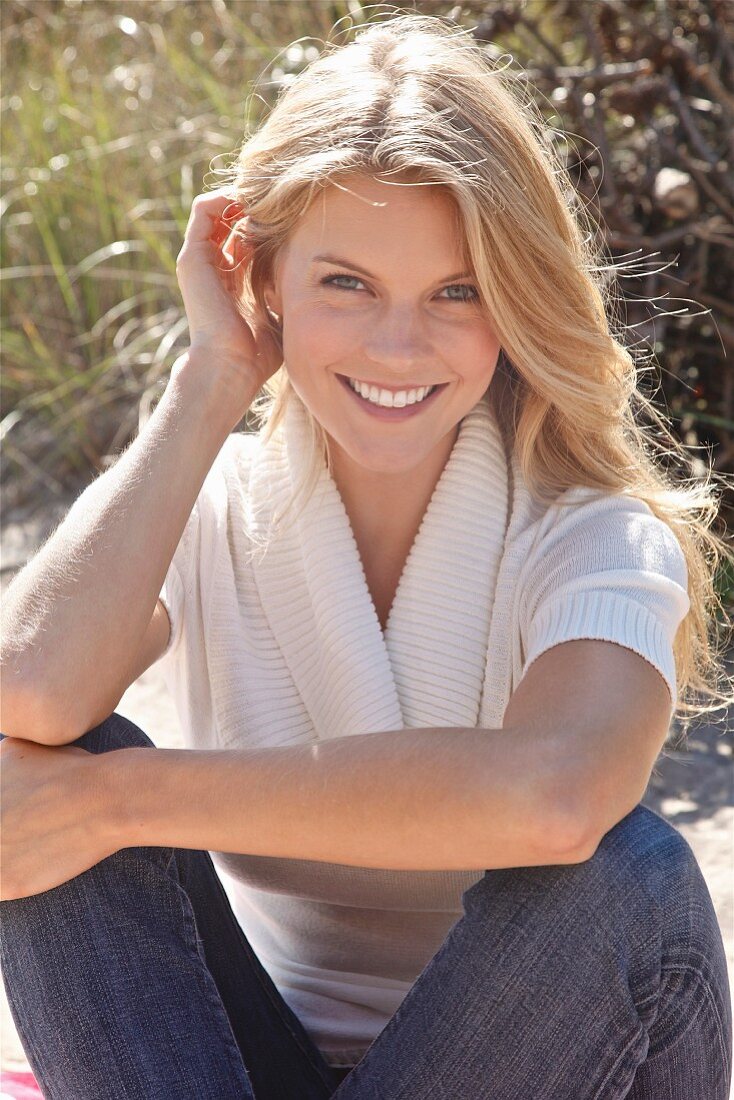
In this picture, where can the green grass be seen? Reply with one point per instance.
(114, 117)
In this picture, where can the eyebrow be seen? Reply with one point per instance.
(363, 271)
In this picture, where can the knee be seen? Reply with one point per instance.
(638, 867)
(647, 850)
(116, 732)
(646, 847)
(643, 865)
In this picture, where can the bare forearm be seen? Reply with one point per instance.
(421, 799)
(74, 618)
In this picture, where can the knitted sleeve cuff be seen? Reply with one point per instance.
(610, 617)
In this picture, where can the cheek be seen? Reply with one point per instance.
(476, 347)
(317, 334)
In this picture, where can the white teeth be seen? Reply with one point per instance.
(387, 399)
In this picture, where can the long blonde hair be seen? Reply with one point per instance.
(414, 97)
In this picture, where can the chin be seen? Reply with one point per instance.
(380, 457)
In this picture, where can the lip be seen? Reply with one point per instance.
(394, 413)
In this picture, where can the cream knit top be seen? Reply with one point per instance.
(285, 647)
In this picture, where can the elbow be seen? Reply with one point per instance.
(565, 814)
(567, 832)
(577, 847)
(26, 715)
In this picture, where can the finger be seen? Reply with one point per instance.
(229, 247)
(208, 249)
(230, 242)
(222, 230)
(207, 218)
(233, 211)
(233, 251)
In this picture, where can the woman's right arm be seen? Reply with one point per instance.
(74, 618)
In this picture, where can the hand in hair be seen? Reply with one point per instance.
(211, 269)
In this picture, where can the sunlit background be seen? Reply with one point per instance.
(116, 114)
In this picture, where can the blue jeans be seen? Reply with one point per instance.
(600, 979)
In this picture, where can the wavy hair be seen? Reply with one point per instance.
(415, 97)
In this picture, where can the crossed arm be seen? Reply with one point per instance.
(581, 735)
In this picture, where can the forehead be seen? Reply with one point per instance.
(371, 216)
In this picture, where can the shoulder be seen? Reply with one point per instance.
(226, 481)
(604, 566)
(233, 461)
(617, 526)
(238, 449)
(608, 539)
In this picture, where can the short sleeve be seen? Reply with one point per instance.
(606, 568)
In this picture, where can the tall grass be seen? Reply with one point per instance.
(113, 115)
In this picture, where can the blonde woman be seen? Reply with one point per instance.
(426, 630)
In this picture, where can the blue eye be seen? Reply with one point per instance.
(463, 286)
(333, 278)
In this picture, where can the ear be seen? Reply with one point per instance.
(272, 292)
(272, 301)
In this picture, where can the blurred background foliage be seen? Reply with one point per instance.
(114, 115)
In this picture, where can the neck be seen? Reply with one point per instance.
(387, 508)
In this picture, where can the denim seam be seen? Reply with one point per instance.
(707, 990)
(708, 994)
(189, 920)
(614, 1070)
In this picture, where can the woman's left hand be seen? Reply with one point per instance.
(55, 816)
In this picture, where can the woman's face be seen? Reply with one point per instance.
(409, 318)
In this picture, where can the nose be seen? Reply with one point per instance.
(399, 339)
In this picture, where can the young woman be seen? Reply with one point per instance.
(426, 631)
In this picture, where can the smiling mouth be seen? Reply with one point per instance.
(375, 392)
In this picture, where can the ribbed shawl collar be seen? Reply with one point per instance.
(430, 666)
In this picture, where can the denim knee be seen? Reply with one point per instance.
(116, 732)
(646, 849)
(643, 869)
(643, 894)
